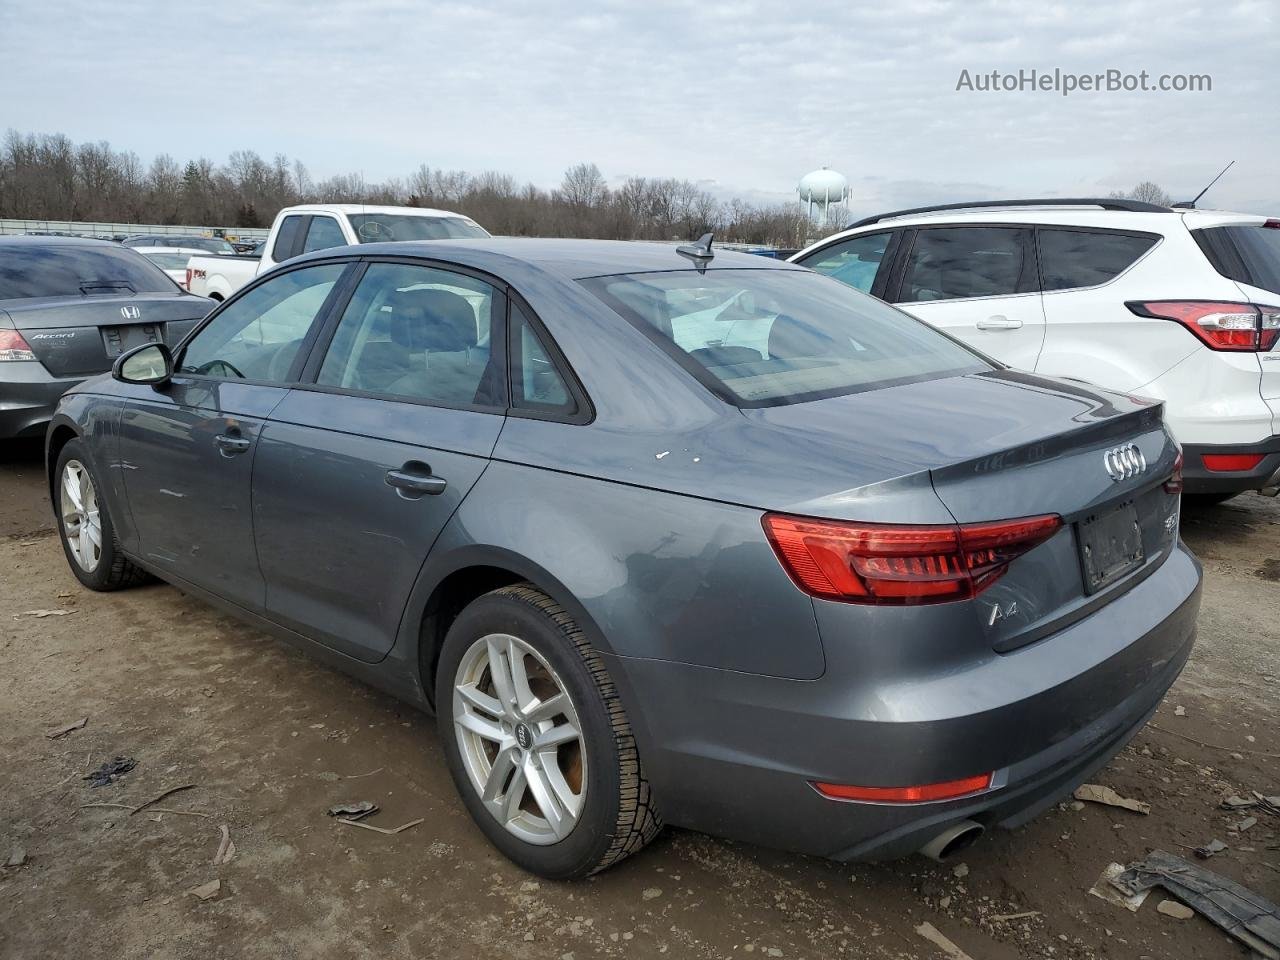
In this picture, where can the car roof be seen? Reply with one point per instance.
(569, 259)
(1081, 216)
(359, 208)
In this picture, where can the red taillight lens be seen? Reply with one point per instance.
(1219, 324)
(885, 564)
(187, 284)
(1226, 462)
(1174, 483)
(13, 347)
(948, 790)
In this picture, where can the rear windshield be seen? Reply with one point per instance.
(1247, 254)
(768, 337)
(68, 270)
(169, 261)
(377, 227)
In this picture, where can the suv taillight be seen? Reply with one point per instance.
(187, 284)
(13, 347)
(1219, 324)
(885, 564)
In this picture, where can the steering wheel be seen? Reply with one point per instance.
(209, 367)
(371, 231)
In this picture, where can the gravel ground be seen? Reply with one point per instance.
(270, 739)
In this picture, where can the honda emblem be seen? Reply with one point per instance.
(130, 312)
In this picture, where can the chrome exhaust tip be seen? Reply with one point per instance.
(955, 838)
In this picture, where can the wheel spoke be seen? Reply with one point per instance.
(503, 764)
(570, 801)
(549, 739)
(548, 708)
(94, 526)
(500, 671)
(86, 544)
(481, 727)
(519, 677)
(481, 701)
(544, 796)
(71, 488)
(514, 796)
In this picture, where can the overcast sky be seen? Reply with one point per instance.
(745, 97)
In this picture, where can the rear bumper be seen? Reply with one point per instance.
(735, 754)
(28, 395)
(1199, 479)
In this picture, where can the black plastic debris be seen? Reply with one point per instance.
(1245, 915)
(110, 771)
(354, 811)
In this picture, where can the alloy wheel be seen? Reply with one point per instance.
(81, 520)
(520, 739)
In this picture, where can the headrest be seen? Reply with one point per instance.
(434, 320)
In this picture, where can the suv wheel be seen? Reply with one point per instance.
(537, 741)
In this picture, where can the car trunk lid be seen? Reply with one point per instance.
(76, 336)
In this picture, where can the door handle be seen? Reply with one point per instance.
(229, 444)
(414, 480)
(999, 322)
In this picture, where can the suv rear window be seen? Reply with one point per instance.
(70, 270)
(770, 337)
(1246, 254)
(1087, 258)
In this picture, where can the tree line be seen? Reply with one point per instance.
(49, 177)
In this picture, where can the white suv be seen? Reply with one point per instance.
(1173, 303)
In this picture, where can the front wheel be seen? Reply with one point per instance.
(537, 741)
(85, 527)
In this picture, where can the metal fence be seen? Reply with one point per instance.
(110, 231)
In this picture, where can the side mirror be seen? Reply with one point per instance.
(150, 363)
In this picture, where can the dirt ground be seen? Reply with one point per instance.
(270, 739)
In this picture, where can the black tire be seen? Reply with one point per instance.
(617, 817)
(113, 570)
(1199, 501)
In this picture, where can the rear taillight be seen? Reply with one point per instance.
(1219, 324)
(1174, 483)
(187, 283)
(13, 347)
(885, 564)
(1229, 462)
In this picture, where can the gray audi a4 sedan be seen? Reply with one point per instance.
(689, 536)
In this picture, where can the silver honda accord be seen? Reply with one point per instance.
(659, 534)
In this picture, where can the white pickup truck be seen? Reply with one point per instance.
(299, 230)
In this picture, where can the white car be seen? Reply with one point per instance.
(172, 260)
(1178, 304)
(309, 227)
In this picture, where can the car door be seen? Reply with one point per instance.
(187, 451)
(977, 283)
(860, 261)
(358, 472)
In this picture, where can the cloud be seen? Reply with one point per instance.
(748, 95)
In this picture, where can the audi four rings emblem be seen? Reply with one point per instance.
(1124, 462)
(130, 313)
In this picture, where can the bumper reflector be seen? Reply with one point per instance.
(947, 790)
(1224, 462)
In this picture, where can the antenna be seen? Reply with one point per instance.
(1191, 205)
(700, 252)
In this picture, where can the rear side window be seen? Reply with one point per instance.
(1246, 254)
(71, 270)
(323, 233)
(420, 333)
(536, 384)
(286, 238)
(1087, 258)
(855, 261)
(952, 263)
(769, 337)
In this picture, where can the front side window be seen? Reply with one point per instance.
(855, 261)
(766, 337)
(951, 263)
(1086, 258)
(258, 335)
(323, 233)
(418, 333)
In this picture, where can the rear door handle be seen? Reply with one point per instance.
(999, 322)
(230, 444)
(414, 480)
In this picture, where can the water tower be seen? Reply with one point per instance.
(822, 188)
